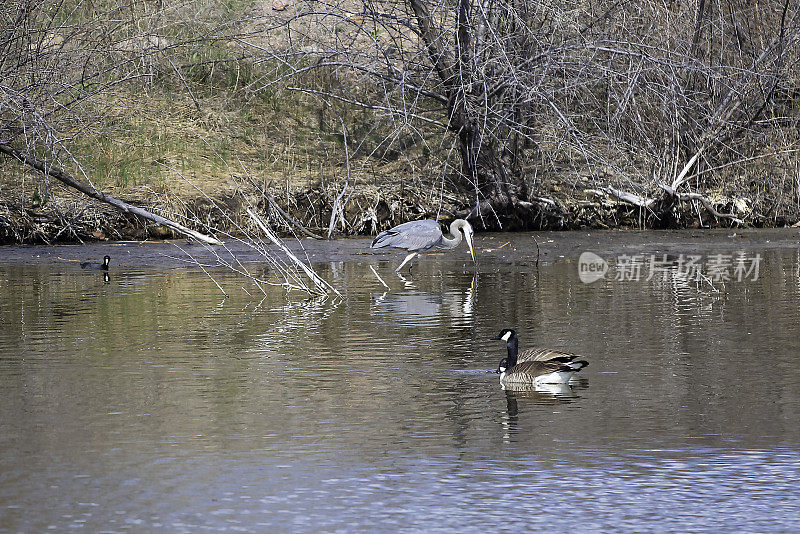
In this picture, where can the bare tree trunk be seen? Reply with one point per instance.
(482, 169)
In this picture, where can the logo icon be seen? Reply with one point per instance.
(591, 267)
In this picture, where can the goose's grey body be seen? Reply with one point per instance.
(421, 236)
(537, 372)
(544, 355)
(535, 366)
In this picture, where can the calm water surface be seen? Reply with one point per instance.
(152, 403)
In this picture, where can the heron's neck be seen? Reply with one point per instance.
(455, 240)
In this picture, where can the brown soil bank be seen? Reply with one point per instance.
(70, 218)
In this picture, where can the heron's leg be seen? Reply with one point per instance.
(408, 259)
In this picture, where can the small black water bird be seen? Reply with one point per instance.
(421, 236)
(97, 266)
(535, 366)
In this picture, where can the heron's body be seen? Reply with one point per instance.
(421, 236)
(97, 266)
(535, 366)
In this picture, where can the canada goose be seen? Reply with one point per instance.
(535, 366)
(419, 236)
(97, 266)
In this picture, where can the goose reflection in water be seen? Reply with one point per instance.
(536, 395)
(545, 395)
(542, 393)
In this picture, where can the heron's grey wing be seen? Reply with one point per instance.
(411, 236)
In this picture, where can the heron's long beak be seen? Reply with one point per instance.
(468, 238)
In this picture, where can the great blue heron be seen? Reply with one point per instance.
(420, 236)
(97, 266)
(535, 366)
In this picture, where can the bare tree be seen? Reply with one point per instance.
(629, 95)
(658, 104)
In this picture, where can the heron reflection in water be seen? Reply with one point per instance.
(422, 236)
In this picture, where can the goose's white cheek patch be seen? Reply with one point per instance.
(506, 336)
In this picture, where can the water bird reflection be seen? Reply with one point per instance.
(536, 395)
(97, 266)
(421, 308)
(541, 395)
(544, 393)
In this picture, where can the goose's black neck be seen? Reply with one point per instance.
(513, 349)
